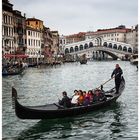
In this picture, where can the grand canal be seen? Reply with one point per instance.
(44, 85)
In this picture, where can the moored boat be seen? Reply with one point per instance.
(83, 59)
(53, 111)
(16, 72)
(134, 59)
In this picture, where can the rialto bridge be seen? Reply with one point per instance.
(97, 47)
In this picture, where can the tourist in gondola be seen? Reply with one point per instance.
(91, 96)
(117, 72)
(81, 98)
(86, 99)
(75, 97)
(65, 100)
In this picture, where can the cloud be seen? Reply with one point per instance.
(71, 16)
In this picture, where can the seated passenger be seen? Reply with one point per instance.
(99, 95)
(86, 99)
(65, 100)
(91, 96)
(84, 93)
(81, 97)
(102, 96)
(75, 97)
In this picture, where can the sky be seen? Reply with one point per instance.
(73, 16)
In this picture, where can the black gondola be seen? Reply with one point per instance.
(83, 61)
(17, 72)
(32, 65)
(53, 111)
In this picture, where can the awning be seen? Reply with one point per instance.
(15, 56)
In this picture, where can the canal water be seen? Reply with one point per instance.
(44, 85)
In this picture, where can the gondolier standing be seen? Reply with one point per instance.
(117, 72)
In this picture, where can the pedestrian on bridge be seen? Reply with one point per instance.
(117, 73)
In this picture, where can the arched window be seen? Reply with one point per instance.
(125, 49)
(86, 46)
(110, 45)
(120, 47)
(71, 50)
(76, 48)
(105, 44)
(114, 46)
(130, 50)
(81, 47)
(90, 44)
(66, 50)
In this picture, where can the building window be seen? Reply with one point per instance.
(28, 32)
(39, 43)
(29, 41)
(36, 22)
(28, 23)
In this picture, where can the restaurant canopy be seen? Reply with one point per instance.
(15, 56)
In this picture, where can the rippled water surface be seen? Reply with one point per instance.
(44, 85)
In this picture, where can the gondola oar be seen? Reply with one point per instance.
(101, 86)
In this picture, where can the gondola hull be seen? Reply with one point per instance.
(13, 73)
(53, 111)
(83, 62)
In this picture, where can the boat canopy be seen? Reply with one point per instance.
(15, 56)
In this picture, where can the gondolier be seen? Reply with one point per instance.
(117, 73)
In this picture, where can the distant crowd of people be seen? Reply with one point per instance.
(82, 98)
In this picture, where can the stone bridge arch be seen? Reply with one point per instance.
(114, 56)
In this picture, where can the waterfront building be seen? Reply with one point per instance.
(19, 32)
(34, 28)
(62, 43)
(75, 37)
(55, 46)
(132, 38)
(7, 28)
(113, 34)
(47, 45)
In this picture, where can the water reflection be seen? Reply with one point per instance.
(44, 85)
(70, 127)
(46, 127)
(119, 123)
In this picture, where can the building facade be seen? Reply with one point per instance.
(132, 38)
(55, 46)
(19, 32)
(34, 28)
(62, 43)
(113, 34)
(48, 42)
(7, 28)
(75, 37)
